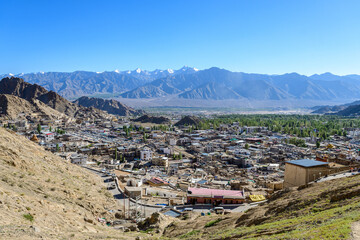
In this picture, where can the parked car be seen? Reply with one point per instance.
(188, 209)
(218, 210)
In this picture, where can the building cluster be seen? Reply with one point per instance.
(178, 165)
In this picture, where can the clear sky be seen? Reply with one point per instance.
(262, 36)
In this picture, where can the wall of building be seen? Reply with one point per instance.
(294, 175)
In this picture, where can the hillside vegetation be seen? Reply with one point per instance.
(43, 197)
(326, 210)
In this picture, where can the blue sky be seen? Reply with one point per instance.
(262, 36)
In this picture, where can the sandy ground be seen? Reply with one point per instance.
(356, 231)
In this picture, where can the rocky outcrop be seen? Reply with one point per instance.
(188, 121)
(152, 119)
(34, 99)
(13, 107)
(110, 106)
(18, 87)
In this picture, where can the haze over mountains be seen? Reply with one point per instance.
(191, 84)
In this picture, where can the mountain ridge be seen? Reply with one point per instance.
(32, 94)
(111, 106)
(208, 84)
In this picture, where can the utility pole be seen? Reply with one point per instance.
(144, 209)
(124, 205)
(129, 213)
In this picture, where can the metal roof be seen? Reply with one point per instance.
(172, 213)
(307, 163)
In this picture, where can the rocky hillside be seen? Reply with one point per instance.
(34, 94)
(109, 106)
(188, 120)
(44, 197)
(350, 111)
(333, 109)
(327, 210)
(12, 107)
(152, 119)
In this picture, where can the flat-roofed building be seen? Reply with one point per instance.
(301, 172)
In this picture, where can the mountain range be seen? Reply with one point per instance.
(191, 83)
(79, 83)
(218, 84)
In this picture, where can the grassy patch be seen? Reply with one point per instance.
(213, 222)
(189, 234)
(147, 230)
(333, 223)
(29, 217)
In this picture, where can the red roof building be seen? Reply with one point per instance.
(214, 196)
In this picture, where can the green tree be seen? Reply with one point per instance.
(144, 137)
(39, 128)
(246, 146)
(57, 147)
(317, 144)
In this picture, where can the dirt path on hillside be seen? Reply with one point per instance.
(355, 231)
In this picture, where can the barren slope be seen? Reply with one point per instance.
(12, 106)
(41, 196)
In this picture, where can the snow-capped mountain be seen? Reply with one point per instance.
(79, 83)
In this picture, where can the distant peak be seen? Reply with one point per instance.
(327, 74)
(138, 70)
(117, 71)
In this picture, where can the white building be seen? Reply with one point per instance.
(172, 141)
(273, 167)
(49, 136)
(146, 154)
(79, 159)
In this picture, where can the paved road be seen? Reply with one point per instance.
(341, 175)
(149, 210)
(119, 196)
(207, 207)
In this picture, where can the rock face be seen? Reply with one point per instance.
(110, 106)
(44, 197)
(12, 107)
(32, 98)
(187, 121)
(151, 119)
